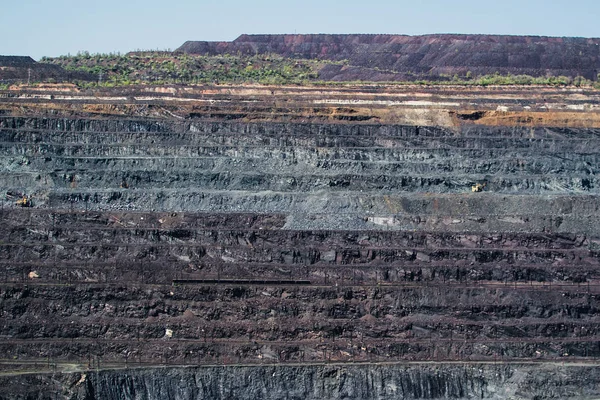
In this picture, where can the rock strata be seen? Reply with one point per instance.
(153, 248)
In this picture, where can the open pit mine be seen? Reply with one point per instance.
(289, 242)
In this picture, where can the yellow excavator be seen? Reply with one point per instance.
(478, 187)
(25, 201)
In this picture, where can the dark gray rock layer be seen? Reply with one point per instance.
(317, 382)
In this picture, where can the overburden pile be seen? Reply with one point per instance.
(402, 57)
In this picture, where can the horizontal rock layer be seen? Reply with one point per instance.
(387, 381)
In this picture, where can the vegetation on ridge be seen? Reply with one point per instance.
(163, 67)
(167, 68)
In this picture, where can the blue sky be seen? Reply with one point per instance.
(52, 28)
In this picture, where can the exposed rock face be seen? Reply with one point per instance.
(195, 240)
(316, 382)
(400, 57)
